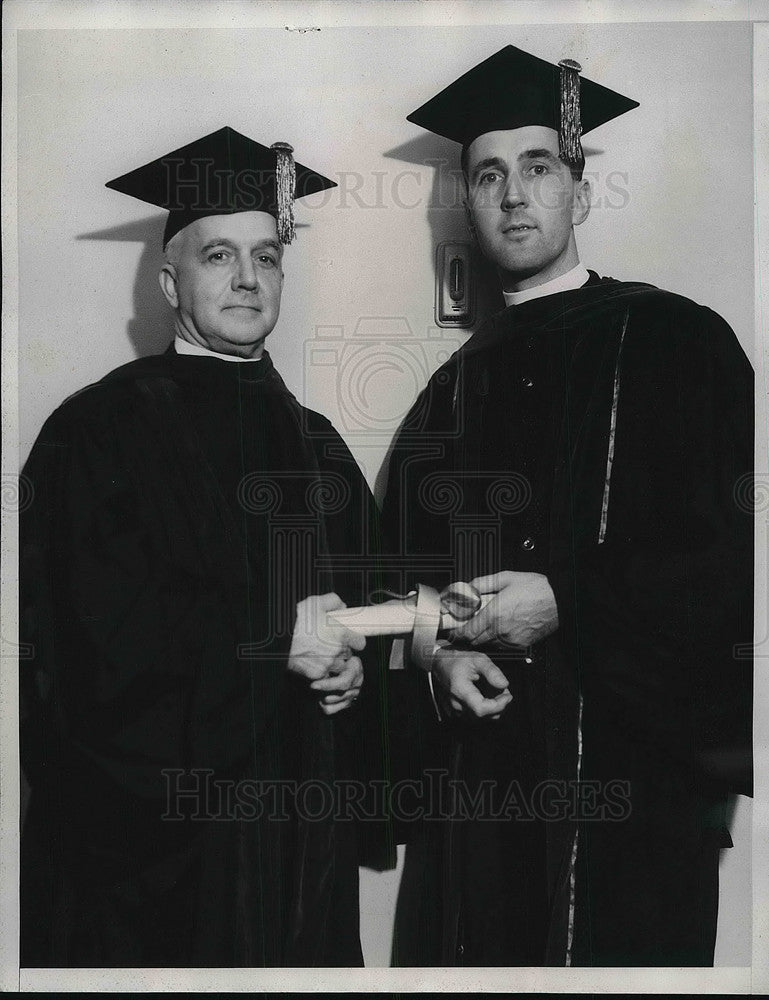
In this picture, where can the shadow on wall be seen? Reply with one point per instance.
(150, 329)
(446, 215)
(447, 221)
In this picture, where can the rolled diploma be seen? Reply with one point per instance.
(390, 618)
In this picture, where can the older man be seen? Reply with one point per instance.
(592, 440)
(186, 720)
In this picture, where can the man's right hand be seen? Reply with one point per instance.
(316, 644)
(457, 672)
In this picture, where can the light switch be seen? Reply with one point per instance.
(454, 298)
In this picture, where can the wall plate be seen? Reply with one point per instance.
(454, 285)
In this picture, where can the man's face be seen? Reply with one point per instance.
(224, 279)
(523, 202)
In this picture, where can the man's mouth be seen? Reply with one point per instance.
(518, 227)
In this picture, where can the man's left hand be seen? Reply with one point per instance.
(522, 612)
(342, 686)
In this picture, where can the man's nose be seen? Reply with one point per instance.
(514, 194)
(245, 275)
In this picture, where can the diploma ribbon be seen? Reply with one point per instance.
(423, 613)
(427, 622)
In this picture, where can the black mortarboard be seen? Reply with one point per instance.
(223, 173)
(512, 89)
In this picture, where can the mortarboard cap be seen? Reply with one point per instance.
(512, 89)
(223, 173)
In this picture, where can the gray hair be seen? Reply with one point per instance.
(173, 248)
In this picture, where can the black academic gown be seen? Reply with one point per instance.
(603, 437)
(182, 506)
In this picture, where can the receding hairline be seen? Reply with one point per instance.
(173, 248)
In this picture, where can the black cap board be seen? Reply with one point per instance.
(220, 174)
(512, 89)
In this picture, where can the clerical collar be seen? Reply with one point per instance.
(185, 347)
(575, 278)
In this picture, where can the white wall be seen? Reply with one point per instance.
(356, 338)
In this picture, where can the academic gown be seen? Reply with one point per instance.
(180, 777)
(603, 437)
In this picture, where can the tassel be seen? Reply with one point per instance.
(571, 126)
(285, 183)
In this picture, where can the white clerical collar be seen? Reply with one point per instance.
(575, 278)
(185, 347)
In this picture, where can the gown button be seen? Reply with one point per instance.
(528, 544)
(526, 382)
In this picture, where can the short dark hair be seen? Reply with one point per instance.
(576, 169)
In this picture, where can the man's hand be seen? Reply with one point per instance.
(341, 687)
(458, 672)
(522, 612)
(319, 650)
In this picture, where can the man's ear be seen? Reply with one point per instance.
(582, 197)
(168, 279)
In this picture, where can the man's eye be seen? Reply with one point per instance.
(489, 178)
(538, 169)
(218, 256)
(268, 259)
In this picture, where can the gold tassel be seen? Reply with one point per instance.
(571, 126)
(285, 183)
